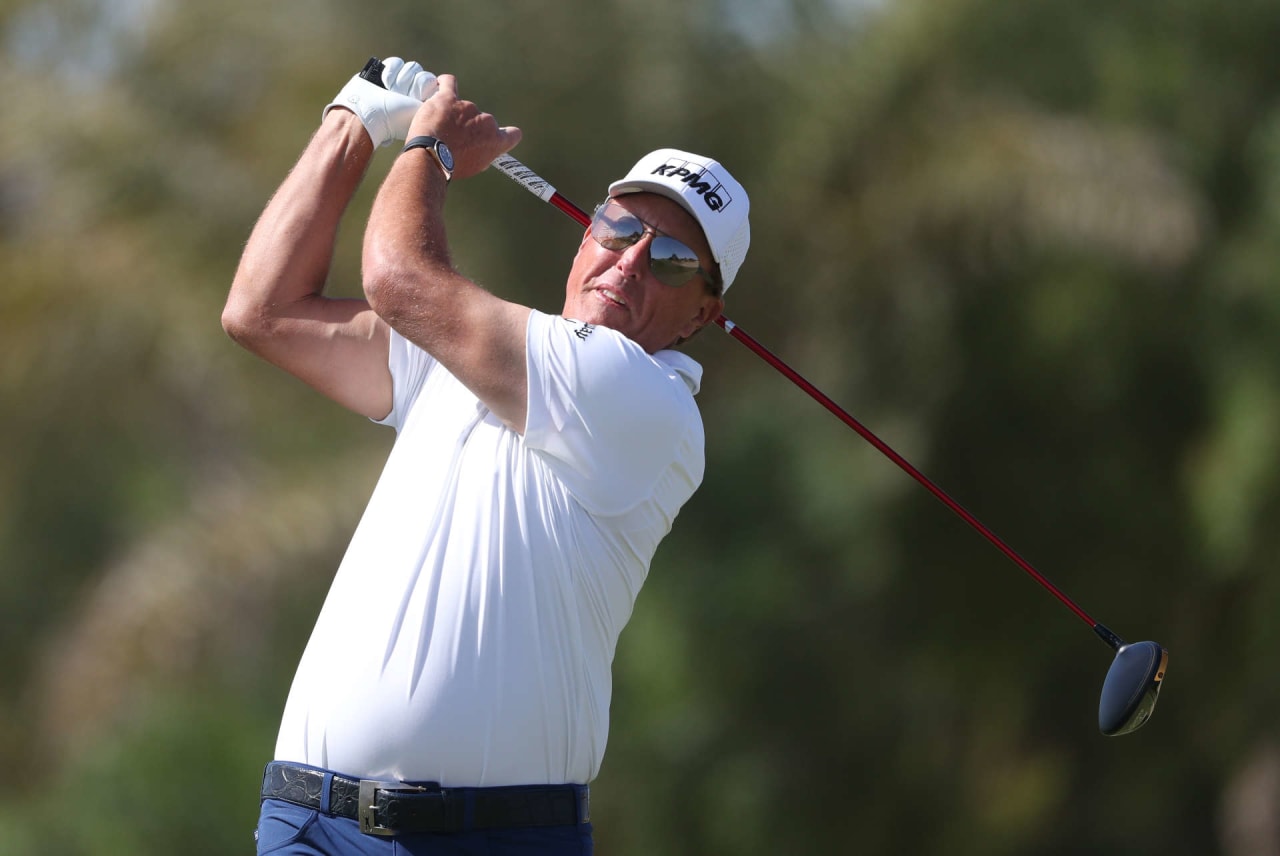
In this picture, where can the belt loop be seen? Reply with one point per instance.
(324, 792)
(468, 809)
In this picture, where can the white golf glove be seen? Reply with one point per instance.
(386, 110)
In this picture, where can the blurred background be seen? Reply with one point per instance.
(1033, 244)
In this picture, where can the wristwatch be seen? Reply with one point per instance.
(438, 150)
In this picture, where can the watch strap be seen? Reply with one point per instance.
(429, 143)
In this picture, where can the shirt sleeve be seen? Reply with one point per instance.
(607, 417)
(409, 366)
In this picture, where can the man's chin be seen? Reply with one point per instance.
(601, 313)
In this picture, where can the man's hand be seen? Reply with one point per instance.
(386, 113)
(474, 137)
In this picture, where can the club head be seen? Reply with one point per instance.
(1132, 686)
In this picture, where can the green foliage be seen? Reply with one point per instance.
(180, 778)
(1032, 244)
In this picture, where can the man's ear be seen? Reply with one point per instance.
(710, 310)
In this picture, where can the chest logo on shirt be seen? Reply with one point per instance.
(584, 331)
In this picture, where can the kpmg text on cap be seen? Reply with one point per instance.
(714, 195)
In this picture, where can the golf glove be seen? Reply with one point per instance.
(387, 110)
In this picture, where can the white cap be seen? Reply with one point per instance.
(705, 189)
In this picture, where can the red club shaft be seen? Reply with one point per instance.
(534, 184)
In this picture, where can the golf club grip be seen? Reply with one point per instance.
(512, 168)
(372, 71)
(539, 187)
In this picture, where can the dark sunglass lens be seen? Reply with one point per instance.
(615, 228)
(672, 262)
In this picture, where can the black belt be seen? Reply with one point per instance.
(389, 808)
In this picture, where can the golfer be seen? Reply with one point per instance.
(454, 694)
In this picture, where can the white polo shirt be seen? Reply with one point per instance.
(469, 632)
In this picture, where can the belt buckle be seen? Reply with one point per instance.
(366, 807)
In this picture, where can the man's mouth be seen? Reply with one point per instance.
(612, 295)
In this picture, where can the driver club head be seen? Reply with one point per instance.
(1132, 686)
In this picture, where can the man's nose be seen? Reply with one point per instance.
(634, 260)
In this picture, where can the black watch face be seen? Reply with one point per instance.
(446, 156)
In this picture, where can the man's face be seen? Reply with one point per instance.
(616, 289)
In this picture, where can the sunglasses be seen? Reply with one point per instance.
(672, 262)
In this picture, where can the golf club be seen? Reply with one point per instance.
(1133, 682)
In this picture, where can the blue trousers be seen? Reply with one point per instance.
(285, 829)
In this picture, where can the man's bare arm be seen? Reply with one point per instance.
(277, 308)
(408, 274)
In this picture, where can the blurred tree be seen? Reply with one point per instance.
(1031, 244)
